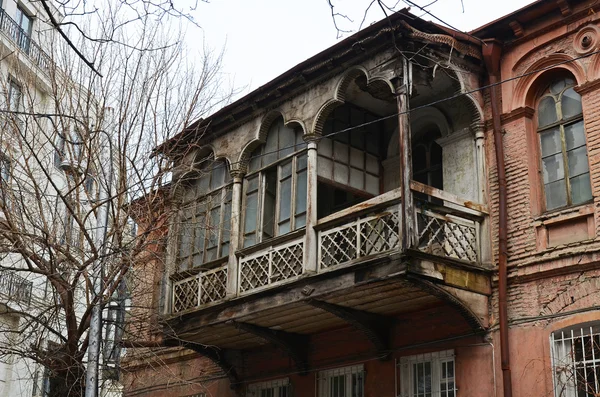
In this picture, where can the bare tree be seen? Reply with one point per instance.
(77, 141)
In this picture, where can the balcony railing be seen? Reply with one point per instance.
(15, 287)
(281, 262)
(22, 39)
(199, 290)
(367, 230)
(446, 226)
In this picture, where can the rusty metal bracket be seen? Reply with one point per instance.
(294, 345)
(376, 327)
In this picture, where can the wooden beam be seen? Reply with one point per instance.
(376, 327)
(294, 345)
(382, 201)
(477, 208)
(216, 355)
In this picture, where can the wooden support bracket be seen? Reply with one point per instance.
(294, 345)
(216, 355)
(377, 328)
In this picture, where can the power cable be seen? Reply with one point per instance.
(452, 97)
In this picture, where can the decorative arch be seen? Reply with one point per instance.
(339, 95)
(419, 120)
(528, 87)
(261, 138)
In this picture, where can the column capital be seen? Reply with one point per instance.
(312, 138)
(477, 127)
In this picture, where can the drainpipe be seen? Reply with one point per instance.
(492, 50)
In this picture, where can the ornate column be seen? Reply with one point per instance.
(310, 259)
(234, 233)
(484, 228)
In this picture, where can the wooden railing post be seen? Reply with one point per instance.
(234, 233)
(310, 256)
(409, 224)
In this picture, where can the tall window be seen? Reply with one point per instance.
(205, 217)
(565, 164)
(428, 375)
(4, 178)
(23, 36)
(274, 388)
(576, 361)
(275, 187)
(14, 95)
(342, 382)
(427, 161)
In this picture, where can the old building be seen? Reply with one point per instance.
(410, 212)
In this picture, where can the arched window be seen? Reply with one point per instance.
(427, 161)
(576, 360)
(275, 186)
(205, 217)
(565, 166)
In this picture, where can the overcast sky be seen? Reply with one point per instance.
(264, 38)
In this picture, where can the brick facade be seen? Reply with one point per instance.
(553, 256)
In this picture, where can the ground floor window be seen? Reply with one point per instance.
(576, 361)
(274, 388)
(342, 382)
(428, 375)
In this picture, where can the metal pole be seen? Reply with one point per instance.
(95, 331)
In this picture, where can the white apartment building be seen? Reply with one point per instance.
(43, 164)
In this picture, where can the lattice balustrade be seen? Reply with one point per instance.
(446, 235)
(279, 263)
(370, 235)
(200, 289)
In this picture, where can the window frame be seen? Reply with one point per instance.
(198, 206)
(277, 157)
(277, 387)
(570, 362)
(5, 177)
(560, 123)
(23, 38)
(12, 86)
(405, 372)
(261, 175)
(325, 376)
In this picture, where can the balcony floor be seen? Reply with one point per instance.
(387, 288)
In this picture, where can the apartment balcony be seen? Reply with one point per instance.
(22, 41)
(15, 288)
(447, 230)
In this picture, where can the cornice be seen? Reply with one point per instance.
(587, 87)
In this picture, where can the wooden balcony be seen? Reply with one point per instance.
(447, 228)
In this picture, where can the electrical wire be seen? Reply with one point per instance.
(452, 97)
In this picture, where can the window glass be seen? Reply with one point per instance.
(428, 375)
(564, 159)
(576, 361)
(547, 112)
(275, 200)
(204, 227)
(570, 104)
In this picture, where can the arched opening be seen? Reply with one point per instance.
(205, 213)
(275, 185)
(351, 154)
